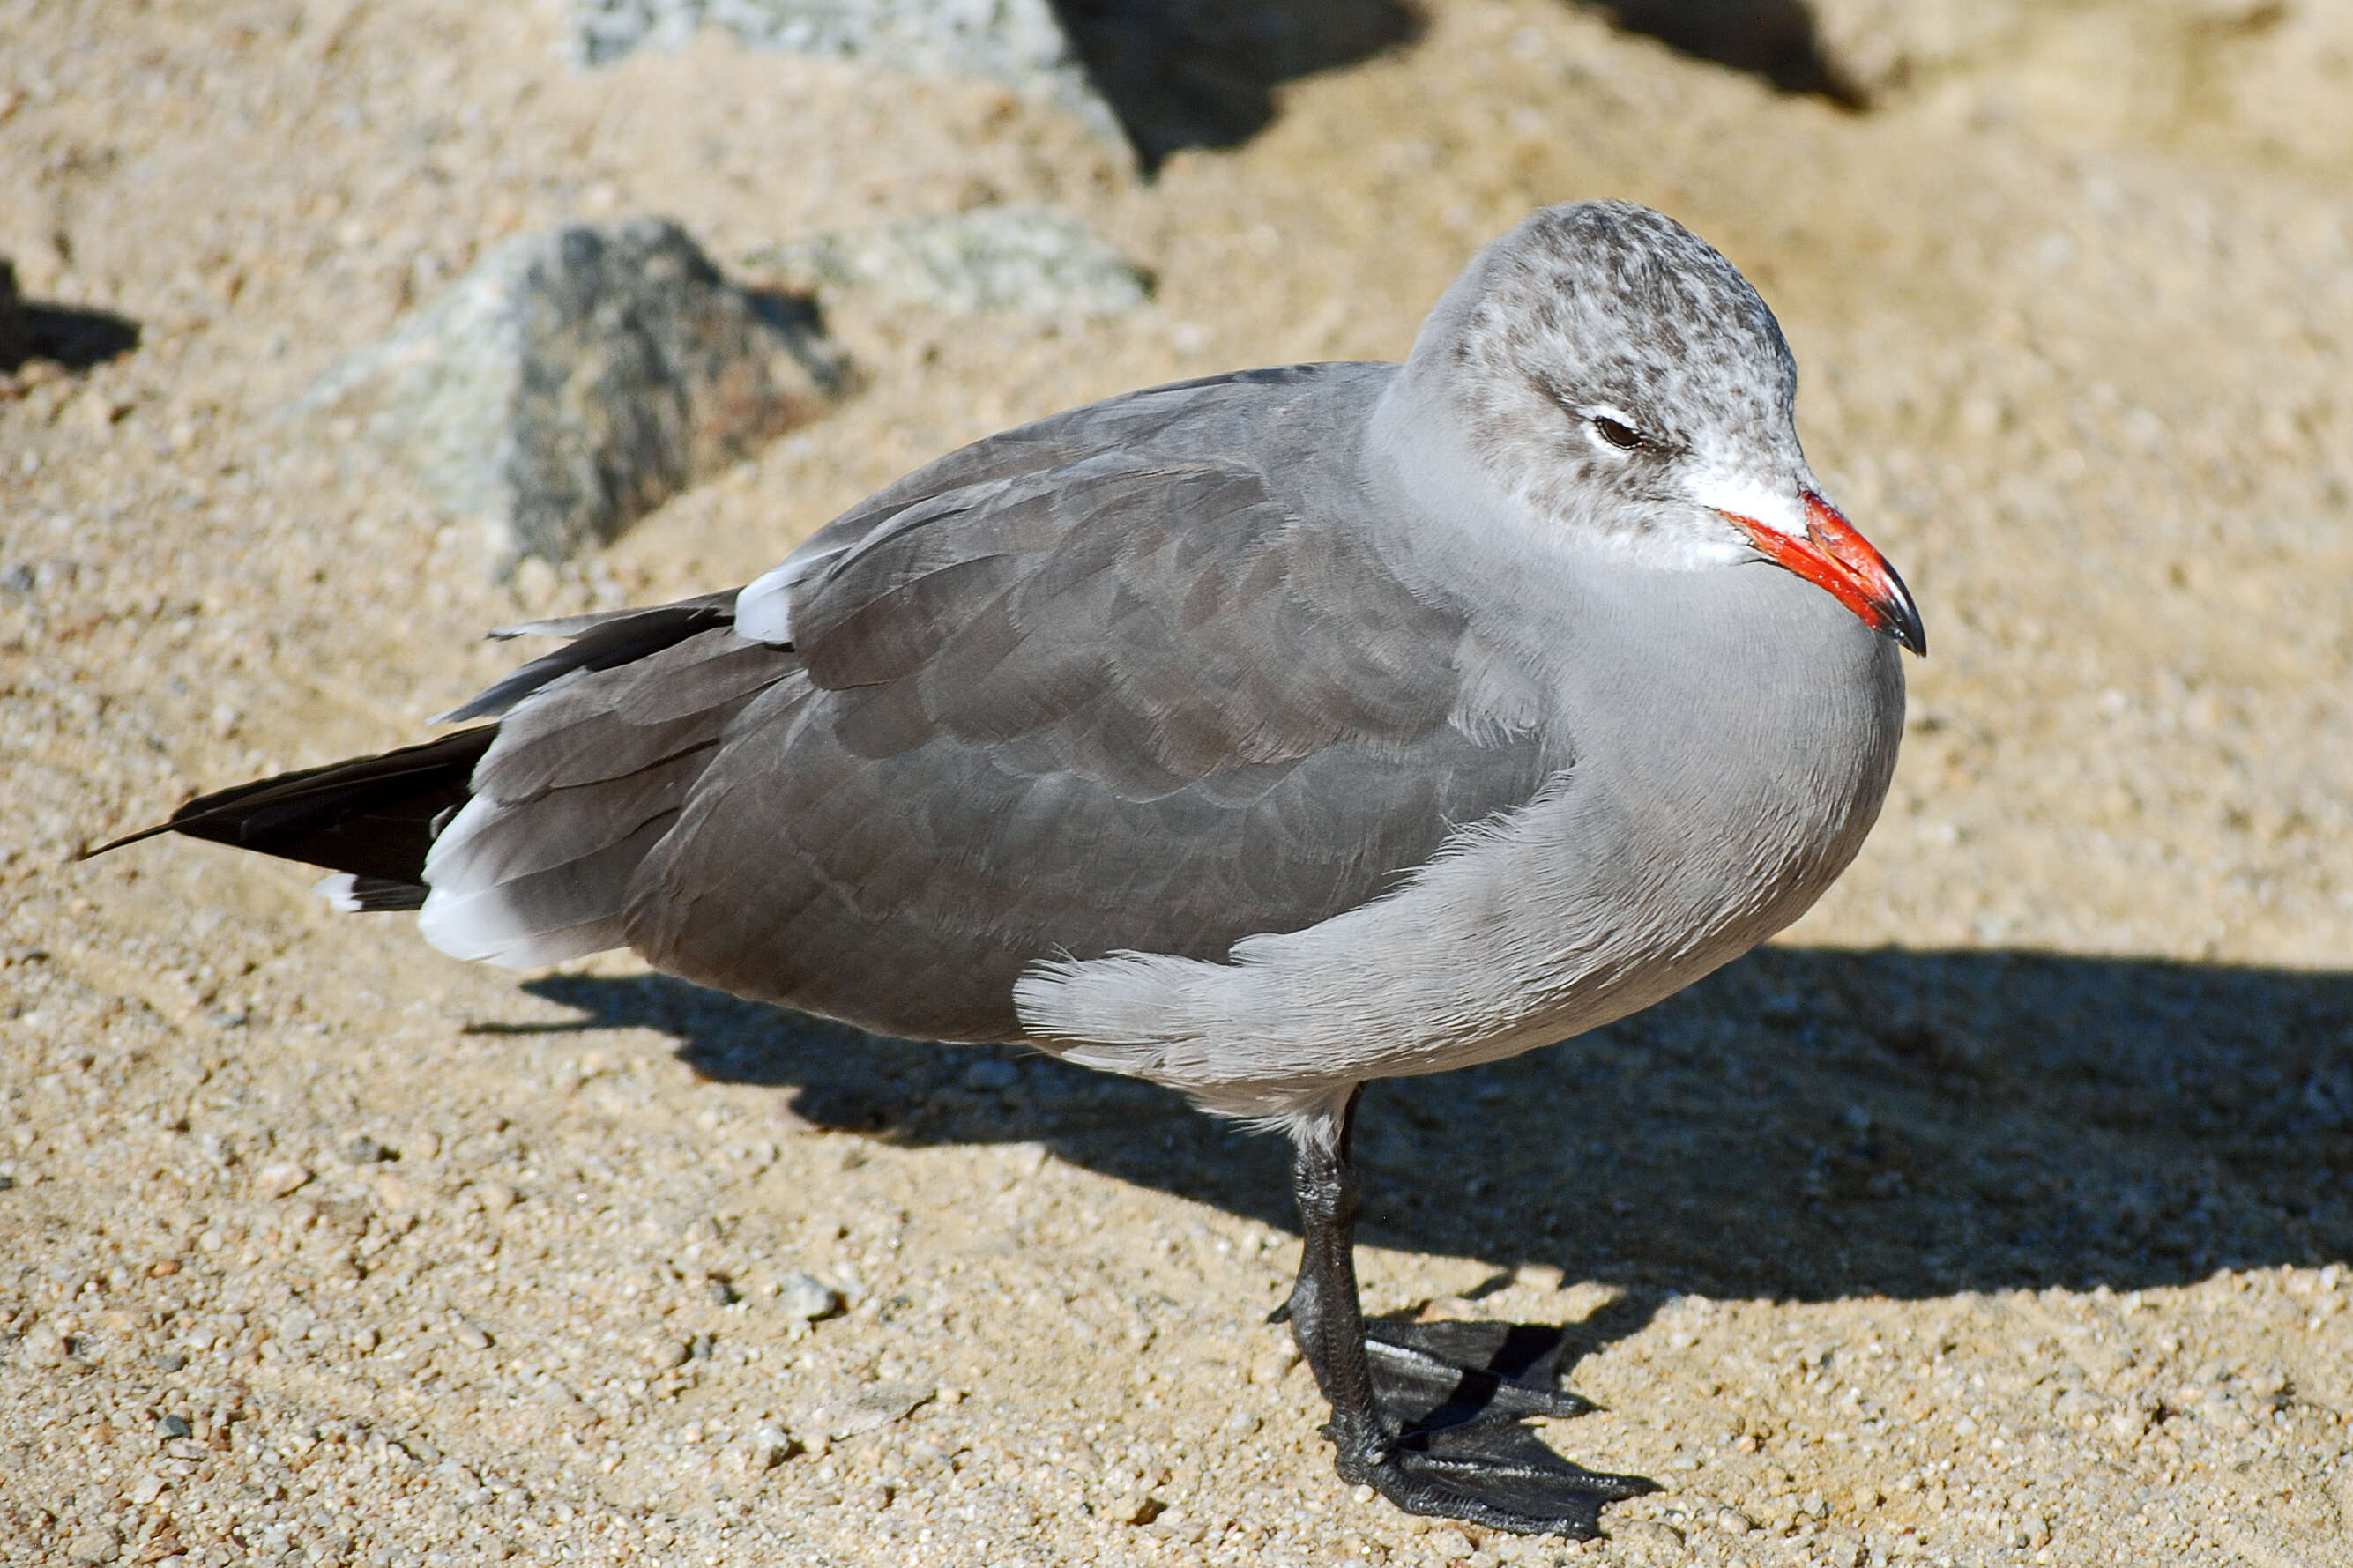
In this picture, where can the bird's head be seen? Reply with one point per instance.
(1621, 379)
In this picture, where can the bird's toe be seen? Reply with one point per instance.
(1431, 1376)
(1498, 1477)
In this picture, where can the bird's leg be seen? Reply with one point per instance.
(1412, 1416)
(1326, 1315)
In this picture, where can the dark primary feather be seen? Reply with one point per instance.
(378, 895)
(377, 816)
(373, 817)
(1111, 684)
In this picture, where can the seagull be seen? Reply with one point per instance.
(1259, 736)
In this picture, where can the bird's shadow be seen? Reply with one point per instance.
(1810, 1124)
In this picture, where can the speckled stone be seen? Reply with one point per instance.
(581, 377)
(1036, 259)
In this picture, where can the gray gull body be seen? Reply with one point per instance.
(1260, 736)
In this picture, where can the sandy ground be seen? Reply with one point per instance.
(2001, 1212)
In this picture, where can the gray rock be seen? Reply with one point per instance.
(992, 258)
(579, 377)
(1021, 43)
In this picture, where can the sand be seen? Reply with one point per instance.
(2001, 1212)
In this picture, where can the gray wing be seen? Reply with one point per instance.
(1147, 694)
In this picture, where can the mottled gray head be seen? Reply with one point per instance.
(1613, 373)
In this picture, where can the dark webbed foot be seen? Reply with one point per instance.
(1430, 1415)
(1428, 1375)
(1492, 1473)
(1450, 1399)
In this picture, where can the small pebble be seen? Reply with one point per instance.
(278, 1181)
(471, 1336)
(98, 1546)
(808, 1297)
(768, 1446)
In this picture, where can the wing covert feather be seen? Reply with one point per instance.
(1145, 699)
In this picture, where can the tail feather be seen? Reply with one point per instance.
(517, 840)
(604, 640)
(372, 817)
(369, 895)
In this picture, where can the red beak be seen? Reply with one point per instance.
(1841, 562)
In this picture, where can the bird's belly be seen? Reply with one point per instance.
(1593, 902)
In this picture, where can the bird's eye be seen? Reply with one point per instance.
(1621, 436)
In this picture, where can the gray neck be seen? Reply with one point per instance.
(1689, 660)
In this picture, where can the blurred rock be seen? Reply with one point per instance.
(1877, 46)
(1153, 75)
(579, 377)
(1021, 43)
(994, 259)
